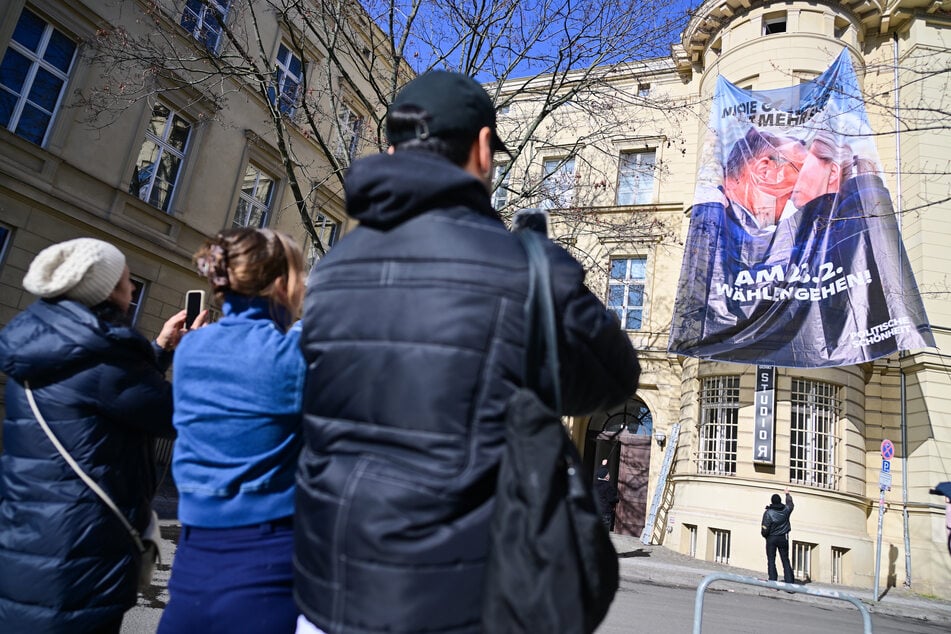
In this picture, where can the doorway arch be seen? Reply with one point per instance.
(620, 439)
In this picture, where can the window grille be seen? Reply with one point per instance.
(33, 74)
(719, 418)
(813, 436)
(802, 560)
(721, 545)
(626, 291)
(691, 540)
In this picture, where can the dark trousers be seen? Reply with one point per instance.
(780, 543)
(232, 580)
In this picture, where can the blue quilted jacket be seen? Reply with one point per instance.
(66, 562)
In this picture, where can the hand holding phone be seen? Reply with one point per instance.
(194, 301)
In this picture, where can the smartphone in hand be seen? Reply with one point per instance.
(194, 301)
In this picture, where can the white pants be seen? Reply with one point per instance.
(306, 627)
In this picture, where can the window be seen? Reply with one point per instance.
(288, 77)
(691, 539)
(643, 89)
(719, 416)
(33, 74)
(838, 564)
(636, 178)
(254, 201)
(721, 545)
(506, 109)
(626, 291)
(160, 158)
(812, 434)
(774, 23)
(802, 560)
(350, 126)
(328, 231)
(138, 298)
(203, 19)
(5, 235)
(500, 177)
(559, 183)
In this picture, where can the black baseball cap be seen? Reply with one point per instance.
(456, 104)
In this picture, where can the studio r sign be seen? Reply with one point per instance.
(764, 419)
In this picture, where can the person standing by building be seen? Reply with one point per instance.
(776, 529)
(66, 563)
(607, 496)
(414, 338)
(237, 394)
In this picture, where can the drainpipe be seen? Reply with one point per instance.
(903, 417)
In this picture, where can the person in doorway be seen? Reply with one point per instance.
(776, 529)
(237, 388)
(414, 337)
(66, 563)
(607, 495)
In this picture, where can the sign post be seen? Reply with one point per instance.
(884, 484)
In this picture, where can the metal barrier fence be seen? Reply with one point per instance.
(776, 585)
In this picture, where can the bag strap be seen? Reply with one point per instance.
(79, 471)
(542, 344)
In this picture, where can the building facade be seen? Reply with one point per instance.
(127, 121)
(623, 206)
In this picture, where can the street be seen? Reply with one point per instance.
(659, 609)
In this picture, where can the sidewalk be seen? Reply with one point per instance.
(663, 566)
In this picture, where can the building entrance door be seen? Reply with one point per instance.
(621, 441)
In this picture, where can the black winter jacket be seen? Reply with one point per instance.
(776, 517)
(414, 339)
(66, 562)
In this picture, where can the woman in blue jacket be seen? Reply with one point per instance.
(66, 562)
(237, 388)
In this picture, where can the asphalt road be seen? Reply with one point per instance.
(660, 609)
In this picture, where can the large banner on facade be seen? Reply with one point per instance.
(793, 255)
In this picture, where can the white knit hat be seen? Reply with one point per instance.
(84, 269)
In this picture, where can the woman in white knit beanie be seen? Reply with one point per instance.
(68, 563)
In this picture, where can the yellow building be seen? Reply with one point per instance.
(622, 204)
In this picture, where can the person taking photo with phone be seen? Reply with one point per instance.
(66, 563)
(237, 388)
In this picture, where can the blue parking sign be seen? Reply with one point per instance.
(886, 466)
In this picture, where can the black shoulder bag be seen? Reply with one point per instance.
(551, 566)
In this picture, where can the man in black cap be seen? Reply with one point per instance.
(414, 334)
(776, 529)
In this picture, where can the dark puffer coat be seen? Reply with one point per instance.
(66, 562)
(414, 339)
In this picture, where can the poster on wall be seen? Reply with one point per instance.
(793, 255)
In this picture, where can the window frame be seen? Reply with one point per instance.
(558, 182)
(164, 147)
(637, 175)
(501, 177)
(282, 70)
(252, 201)
(222, 7)
(36, 62)
(139, 293)
(350, 126)
(625, 284)
(717, 452)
